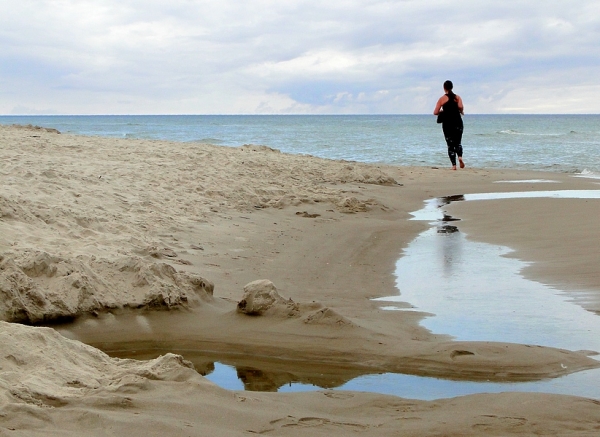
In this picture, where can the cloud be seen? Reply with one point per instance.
(298, 56)
(23, 110)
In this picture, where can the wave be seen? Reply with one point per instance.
(514, 132)
(588, 174)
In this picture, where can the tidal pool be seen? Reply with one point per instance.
(475, 292)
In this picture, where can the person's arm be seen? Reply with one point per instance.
(461, 108)
(439, 104)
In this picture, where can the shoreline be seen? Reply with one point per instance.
(116, 218)
(413, 140)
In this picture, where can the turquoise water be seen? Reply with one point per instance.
(562, 143)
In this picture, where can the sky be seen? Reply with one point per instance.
(297, 56)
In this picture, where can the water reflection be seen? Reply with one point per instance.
(432, 211)
(236, 374)
(476, 292)
(242, 372)
(451, 250)
(586, 383)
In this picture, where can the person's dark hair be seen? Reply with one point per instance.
(448, 85)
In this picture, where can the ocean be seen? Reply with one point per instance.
(558, 143)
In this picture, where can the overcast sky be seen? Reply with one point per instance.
(297, 56)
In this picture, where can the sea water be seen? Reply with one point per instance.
(562, 143)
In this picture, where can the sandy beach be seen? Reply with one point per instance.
(125, 245)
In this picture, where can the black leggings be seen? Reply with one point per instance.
(453, 135)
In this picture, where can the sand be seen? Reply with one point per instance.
(149, 244)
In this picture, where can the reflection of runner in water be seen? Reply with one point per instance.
(451, 107)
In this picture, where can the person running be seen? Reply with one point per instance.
(450, 108)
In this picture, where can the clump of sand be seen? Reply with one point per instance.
(38, 287)
(261, 298)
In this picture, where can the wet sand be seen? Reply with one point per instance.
(135, 233)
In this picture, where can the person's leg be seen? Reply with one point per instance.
(451, 152)
(459, 152)
(449, 135)
(459, 148)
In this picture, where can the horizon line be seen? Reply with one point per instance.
(284, 115)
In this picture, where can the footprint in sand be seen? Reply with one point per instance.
(312, 422)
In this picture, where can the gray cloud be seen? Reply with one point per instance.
(361, 56)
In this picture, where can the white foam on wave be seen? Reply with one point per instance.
(528, 134)
(588, 174)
